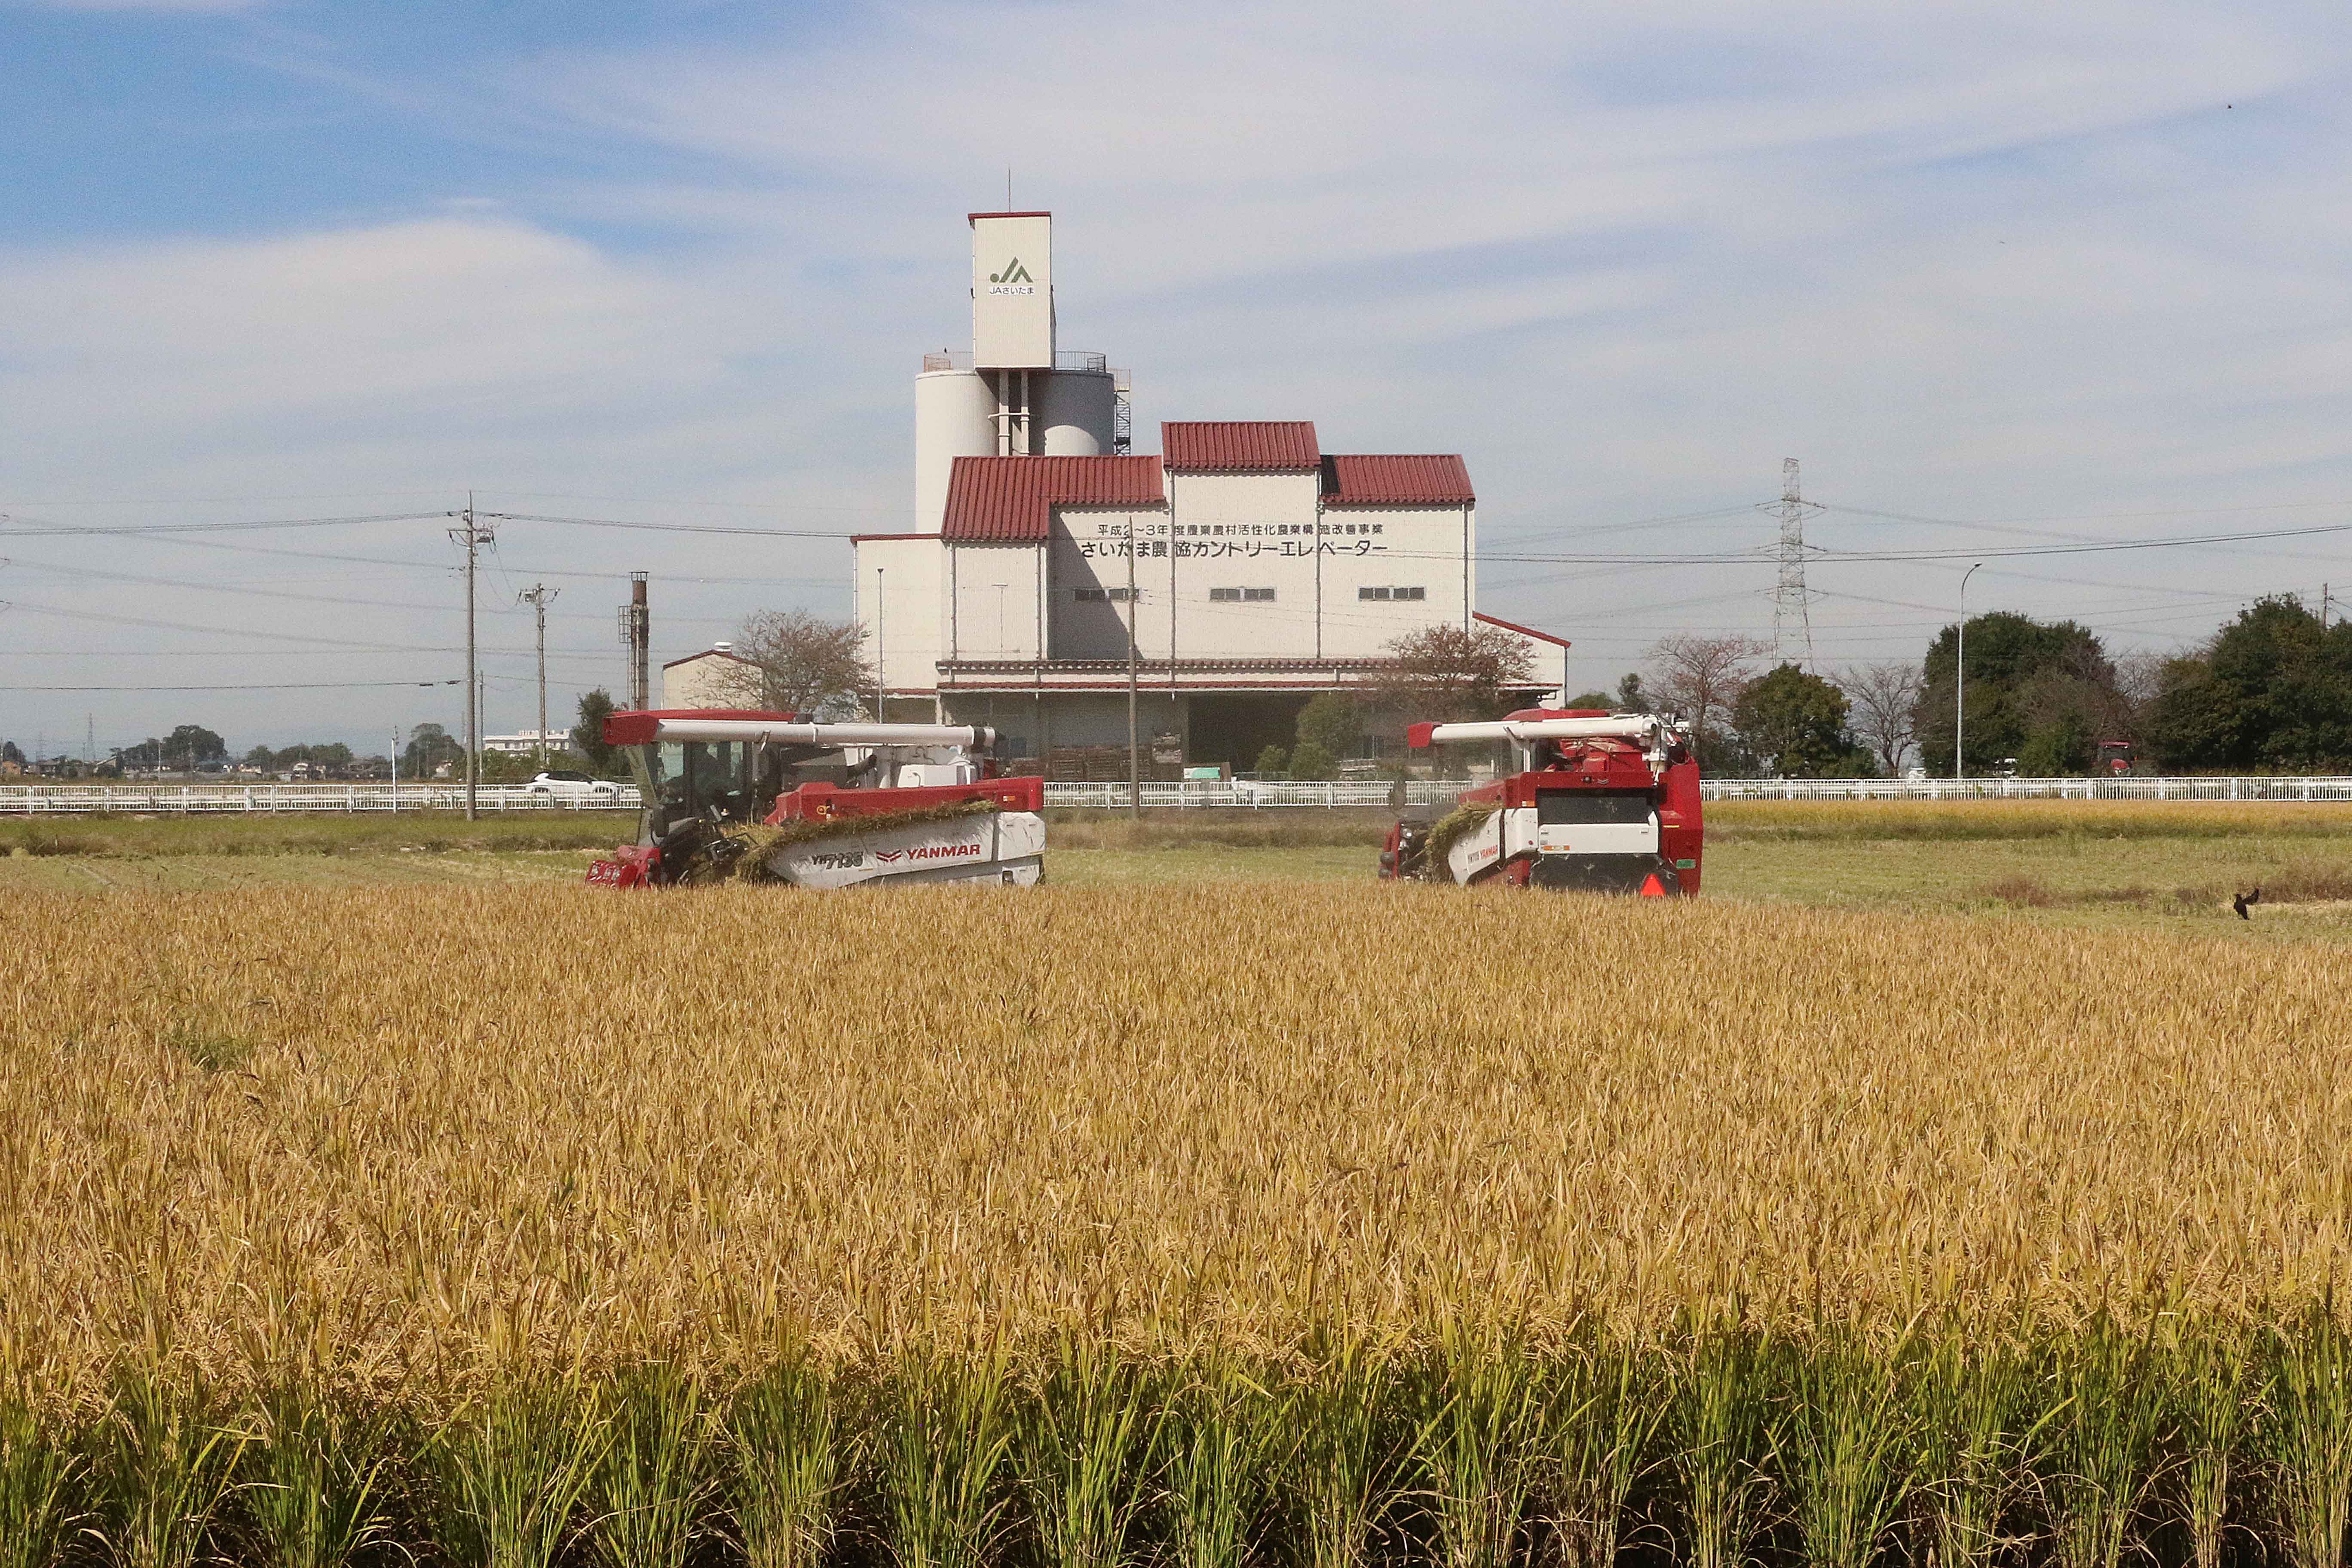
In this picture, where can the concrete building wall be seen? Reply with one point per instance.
(1234, 538)
(1013, 291)
(1087, 555)
(710, 680)
(900, 600)
(1384, 548)
(996, 601)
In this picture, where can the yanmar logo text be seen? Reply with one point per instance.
(930, 852)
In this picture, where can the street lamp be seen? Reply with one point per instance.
(1960, 680)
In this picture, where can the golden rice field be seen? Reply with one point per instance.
(368, 1207)
(418, 1133)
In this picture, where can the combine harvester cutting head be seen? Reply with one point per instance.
(921, 804)
(1604, 803)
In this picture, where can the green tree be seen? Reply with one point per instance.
(1331, 721)
(1605, 701)
(1631, 697)
(9, 754)
(2272, 691)
(429, 745)
(588, 735)
(1309, 761)
(2025, 678)
(1273, 760)
(1795, 724)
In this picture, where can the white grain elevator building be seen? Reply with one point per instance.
(1255, 569)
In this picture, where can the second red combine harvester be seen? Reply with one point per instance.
(1596, 802)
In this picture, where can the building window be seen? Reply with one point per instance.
(1240, 595)
(1392, 593)
(1105, 595)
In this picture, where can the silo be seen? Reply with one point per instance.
(1075, 410)
(955, 417)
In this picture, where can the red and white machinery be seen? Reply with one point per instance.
(922, 803)
(1597, 802)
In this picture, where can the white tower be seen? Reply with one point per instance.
(1015, 394)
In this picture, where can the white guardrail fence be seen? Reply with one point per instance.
(129, 799)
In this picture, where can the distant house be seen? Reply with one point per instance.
(526, 742)
(718, 677)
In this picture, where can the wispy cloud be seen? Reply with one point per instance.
(1992, 259)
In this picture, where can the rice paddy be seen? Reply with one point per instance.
(522, 1226)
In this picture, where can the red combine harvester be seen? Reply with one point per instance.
(920, 804)
(1604, 803)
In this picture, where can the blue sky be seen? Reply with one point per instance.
(2039, 271)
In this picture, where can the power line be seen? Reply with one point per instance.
(246, 685)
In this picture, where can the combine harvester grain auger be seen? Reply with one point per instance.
(920, 804)
(1604, 803)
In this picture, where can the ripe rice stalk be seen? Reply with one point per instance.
(658, 1469)
(37, 1469)
(1478, 1437)
(1084, 1438)
(1721, 1420)
(945, 1458)
(1137, 1118)
(1604, 1405)
(512, 1471)
(318, 1470)
(1980, 1417)
(1846, 1446)
(1337, 1406)
(2108, 1411)
(166, 1469)
(787, 1459)
(2310, 1439)
(2218, 1381)
(1223, 1442)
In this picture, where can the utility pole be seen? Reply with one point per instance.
(537, 597)
(1792, 618)
(2322, 606)
(1134, 735)
(473, 536)
(1960, 681)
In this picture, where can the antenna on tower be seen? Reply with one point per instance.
(1793, 619)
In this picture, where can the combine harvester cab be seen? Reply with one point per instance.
(923, 804)
(1604, 803)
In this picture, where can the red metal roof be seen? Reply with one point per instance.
(1011, 500)
(1397, 480)
(1523, 631)
(1239, 446)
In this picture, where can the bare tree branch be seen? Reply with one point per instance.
(1701, 679)
(1884, 697)
(794, 662)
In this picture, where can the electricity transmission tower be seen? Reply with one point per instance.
(1793, 619)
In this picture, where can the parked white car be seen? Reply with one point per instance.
(564, 784)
